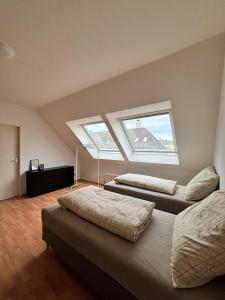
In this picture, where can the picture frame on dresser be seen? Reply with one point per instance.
(34, 164)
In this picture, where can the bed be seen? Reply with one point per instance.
(169, 203)
(116, 268)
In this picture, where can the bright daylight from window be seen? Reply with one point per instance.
(100, 136)
(150, 133)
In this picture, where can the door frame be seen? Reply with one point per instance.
(18, 128)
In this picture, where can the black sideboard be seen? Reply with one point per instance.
(49, 179)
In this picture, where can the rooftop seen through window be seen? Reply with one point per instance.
(150, 133)
(100, 136)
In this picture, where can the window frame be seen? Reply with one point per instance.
(144, 115)
(84, 140)
(162, 158)
(92, 140)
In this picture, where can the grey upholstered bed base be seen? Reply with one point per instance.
(100, 282)
(169, 203)
(116, 268)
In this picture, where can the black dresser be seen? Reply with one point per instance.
(49, 179)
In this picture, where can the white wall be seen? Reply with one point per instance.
(220, 136)
(37, 138)
(190, 78)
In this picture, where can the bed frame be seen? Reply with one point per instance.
(100, 282)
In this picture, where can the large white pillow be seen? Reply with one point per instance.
(198, 245)
(202, 185)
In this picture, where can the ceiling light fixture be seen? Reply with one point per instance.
(6, 51)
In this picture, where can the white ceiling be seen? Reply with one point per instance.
(63, 46)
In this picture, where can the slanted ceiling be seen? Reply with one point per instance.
(190, 79)
(64, 46)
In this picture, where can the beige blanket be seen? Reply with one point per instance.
(122, 215)
(148, 182)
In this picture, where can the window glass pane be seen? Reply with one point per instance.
(100, 135)
(150, 133)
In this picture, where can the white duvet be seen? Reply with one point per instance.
(122, 215)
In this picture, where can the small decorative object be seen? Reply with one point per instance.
(34, 164)
(41, 167)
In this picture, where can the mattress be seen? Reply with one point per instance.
(169, 203)
(142, 268)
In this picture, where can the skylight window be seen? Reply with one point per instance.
(150, 133)
(140, 134)
(100, 136)
(95, 137)
(146, 133)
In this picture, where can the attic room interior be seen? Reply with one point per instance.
(112, 165)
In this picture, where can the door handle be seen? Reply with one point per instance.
(16, 160)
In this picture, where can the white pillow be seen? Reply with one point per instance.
(202, 185)
(198, 245)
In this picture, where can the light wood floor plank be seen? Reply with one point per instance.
(27, 270)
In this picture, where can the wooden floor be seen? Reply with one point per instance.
(27, 269)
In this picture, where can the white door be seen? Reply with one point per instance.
(9, 161)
